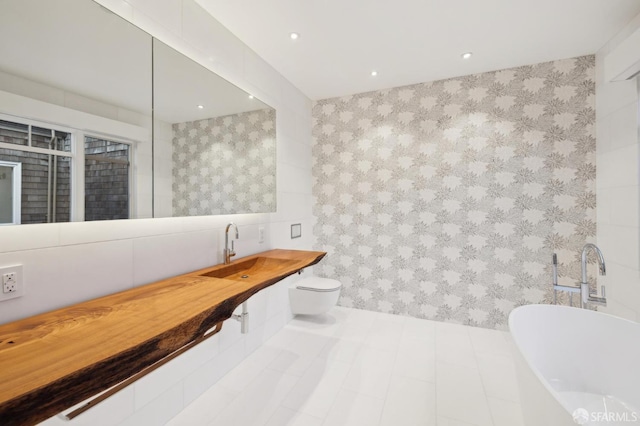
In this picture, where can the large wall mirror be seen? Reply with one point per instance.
(81, 138)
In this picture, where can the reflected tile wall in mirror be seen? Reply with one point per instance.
(215, 144)
(225, 165)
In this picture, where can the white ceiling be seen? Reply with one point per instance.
(413, 41)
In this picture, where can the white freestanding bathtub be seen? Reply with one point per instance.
(576, 366)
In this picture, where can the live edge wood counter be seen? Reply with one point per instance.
(52, 361)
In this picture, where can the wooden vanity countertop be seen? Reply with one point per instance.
(52, 361)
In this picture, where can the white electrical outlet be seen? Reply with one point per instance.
(12, 282)
(9, 282)
(261, 234)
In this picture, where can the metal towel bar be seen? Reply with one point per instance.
(110, 392)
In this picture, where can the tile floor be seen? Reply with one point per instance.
(353, 367)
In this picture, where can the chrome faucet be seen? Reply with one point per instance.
(585, 293)
(229, 253)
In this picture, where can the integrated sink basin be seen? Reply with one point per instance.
(245, 270)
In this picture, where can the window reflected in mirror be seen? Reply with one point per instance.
(44, 183)
(10, 193)
(107, 176)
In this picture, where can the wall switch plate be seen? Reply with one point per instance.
(261, 234)
(12, 282)
(296, 230)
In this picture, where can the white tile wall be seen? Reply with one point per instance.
(227, 53)
(618, 184)
(112, 411)
(68, 263)
(160, 410)
(59, 276)
(168, 14)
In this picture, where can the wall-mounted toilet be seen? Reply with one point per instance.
(314, 295)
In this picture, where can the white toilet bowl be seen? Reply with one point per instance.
(314, 295)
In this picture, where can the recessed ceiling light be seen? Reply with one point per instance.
(294, 36)
(200, 106)
(374, 73)
(250, 96)
(466, 55)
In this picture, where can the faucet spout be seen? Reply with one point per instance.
(229, 252)
(601, 265)
(587, 297)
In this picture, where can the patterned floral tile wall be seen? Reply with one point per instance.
(225, 165)
(445, 200)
